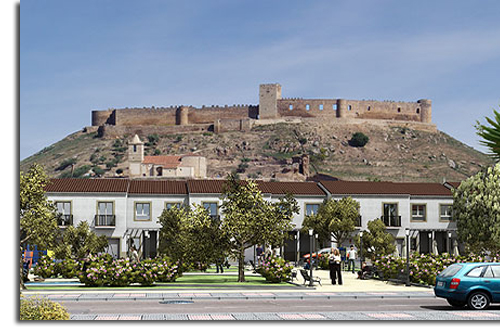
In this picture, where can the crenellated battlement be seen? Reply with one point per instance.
(271, 106)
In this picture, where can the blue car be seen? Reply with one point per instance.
(476, 285)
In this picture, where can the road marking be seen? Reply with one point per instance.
(475, 314)
(389, 315)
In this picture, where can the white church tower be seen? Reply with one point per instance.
(135, 156)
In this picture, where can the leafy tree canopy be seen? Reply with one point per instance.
(76, 241)
(476, 209)
(336, 219)
(491, 135)
(376, 241)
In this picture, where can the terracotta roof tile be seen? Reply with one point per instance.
(359, 187)
(166, 161)
(296, 188)
(158, 187)
(100, 185)
(206, 185)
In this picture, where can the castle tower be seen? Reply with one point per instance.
(341, 108)
(425, 110)
(268, 100)
(135, 156)
(182, 116)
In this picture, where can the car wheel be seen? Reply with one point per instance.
(455, 303)
(478, 301)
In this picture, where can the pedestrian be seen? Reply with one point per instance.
(307, 266)
(218, 265)
(259, 252)
(351, 256)
(134, 256)
(335, 271)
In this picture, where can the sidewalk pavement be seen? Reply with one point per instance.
(351, 287)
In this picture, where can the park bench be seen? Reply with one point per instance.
(307, 277)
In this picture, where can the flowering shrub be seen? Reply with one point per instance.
(165, 270)
(68, 268)
(46, 267)
(424, 267)
(275, 269)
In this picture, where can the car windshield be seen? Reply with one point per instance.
(450, 271)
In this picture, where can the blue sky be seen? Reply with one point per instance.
(78, 56)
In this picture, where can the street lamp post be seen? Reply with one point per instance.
(295, 242)
(361, 250)
(407, 231)
(310, 257)
(449, 242)
(430, 242)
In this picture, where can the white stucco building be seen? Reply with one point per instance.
(127, 210)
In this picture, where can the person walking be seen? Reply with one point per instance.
(134, 256)
(335, 270)
(218, 264)
(351, 256)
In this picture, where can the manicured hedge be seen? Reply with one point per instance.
(424, 267)
(103, 270)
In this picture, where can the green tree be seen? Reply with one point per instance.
(476, 210)
(208, 242)
(491, 135)
(249, 219)
(336, 220)
(174, 235)
(376, 241)
(37, 216)
(76, 241)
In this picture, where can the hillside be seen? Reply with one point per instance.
(392, 153)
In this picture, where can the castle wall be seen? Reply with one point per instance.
(298, 107)
(108, 131)
(227, 125)
(342, 108)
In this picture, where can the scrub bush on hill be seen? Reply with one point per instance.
(275, 269)
(424, 267)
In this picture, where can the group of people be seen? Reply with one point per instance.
(335, 263)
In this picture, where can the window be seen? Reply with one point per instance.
(488, 273)
(64, 207)
(312, 209)
(334, 107)
(290, 107)
(142, 211)
(369, 108)
(476, 272)
(418, 213)
(445, 214)
(308, 107)
(169, 205)
(321, 107)
(349, 107)
(211, 207)
(390, 215)
(418, 110)
(399, 109)
(105, 214)
(105, 208)
(135, 148)
(495, 269)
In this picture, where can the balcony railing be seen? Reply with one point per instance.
(391, 221)
(65, 220)
(105, 221)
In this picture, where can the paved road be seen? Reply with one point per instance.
(346, 308)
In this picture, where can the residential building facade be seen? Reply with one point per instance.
(127, 210)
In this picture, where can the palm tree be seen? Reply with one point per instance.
(491, 135)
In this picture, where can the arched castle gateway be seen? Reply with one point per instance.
(272, 108)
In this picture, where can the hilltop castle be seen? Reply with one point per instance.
(272, 108)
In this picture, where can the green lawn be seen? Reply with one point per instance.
(197, 281)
